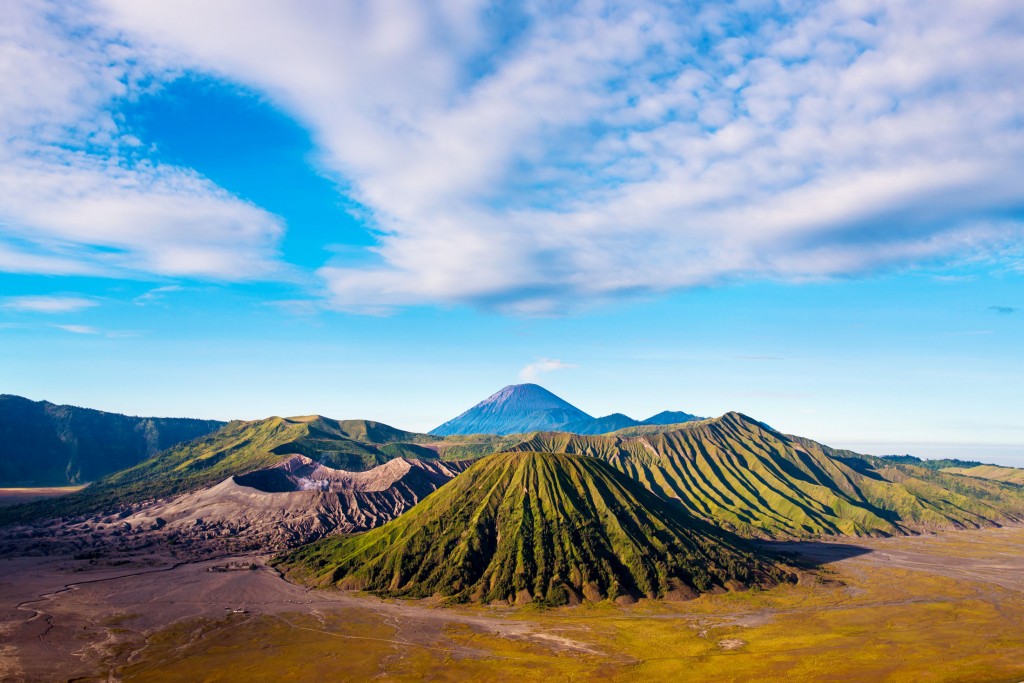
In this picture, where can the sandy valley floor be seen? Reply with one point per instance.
(947, 607)
(16, 496)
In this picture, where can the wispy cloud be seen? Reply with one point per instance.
(1002, 310)
(47, 304)
(539, 157)
(533, 371)
(16, 260)
(78, 193)
(78, 329)
(156, 294)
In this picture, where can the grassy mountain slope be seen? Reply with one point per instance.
(1012, 475)
(747, 477)
(643, 429)
(471, 446)
(535, 527)
(42, 444)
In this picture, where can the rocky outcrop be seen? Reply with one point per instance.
(300, 500)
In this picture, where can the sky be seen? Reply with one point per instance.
(810, 212)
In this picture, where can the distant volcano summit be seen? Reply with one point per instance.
(522, 408)
(513, 410)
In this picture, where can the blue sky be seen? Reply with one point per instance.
(810, 212)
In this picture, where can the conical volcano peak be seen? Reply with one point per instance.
(526, 395)
(517, 408)
(524, 408)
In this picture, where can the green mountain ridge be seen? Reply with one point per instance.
(43, 444)
(745, 476)
(240, 447)
(732, 471)
(536, 527)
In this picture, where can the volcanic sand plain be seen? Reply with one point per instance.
(16, 495)
(944, 607)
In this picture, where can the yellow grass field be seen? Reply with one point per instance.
(930, 608)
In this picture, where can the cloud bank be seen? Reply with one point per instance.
(532, 159)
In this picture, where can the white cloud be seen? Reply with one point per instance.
(15, 260)
(151, 219)
(533, 371)
(76, 196)
(156, 294)
(48, 304)
(533, 162)
(78, 329)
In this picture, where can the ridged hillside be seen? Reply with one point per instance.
(523, 527)
(747, 477)
(42, 444)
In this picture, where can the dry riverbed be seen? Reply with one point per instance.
(947, 607)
